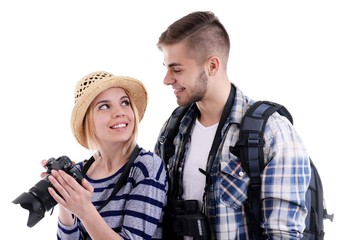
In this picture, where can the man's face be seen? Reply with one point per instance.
(187, 78)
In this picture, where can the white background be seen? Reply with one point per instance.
(285, 51)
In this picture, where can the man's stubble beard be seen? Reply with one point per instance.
(198, 93)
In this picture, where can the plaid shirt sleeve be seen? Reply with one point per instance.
(285, 180)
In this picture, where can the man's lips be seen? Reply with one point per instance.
(178, 90)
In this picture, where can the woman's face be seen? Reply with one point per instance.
(113, 116)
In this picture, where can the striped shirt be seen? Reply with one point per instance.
(285, 178)
(135, 212)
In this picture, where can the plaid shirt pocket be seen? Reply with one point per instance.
(234, 184)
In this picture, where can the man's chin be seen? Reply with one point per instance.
(182, 103)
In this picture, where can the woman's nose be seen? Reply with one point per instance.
(117, 114)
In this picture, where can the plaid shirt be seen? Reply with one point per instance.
(285, 178)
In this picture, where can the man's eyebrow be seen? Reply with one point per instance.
(172, 65)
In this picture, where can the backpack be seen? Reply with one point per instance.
(250, 145)
(250, 149)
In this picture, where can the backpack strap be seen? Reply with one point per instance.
(251, 140)
(250, 145)
(169, 132)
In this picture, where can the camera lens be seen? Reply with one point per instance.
(37, 201)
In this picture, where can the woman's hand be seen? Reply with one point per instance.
(71, 195)
(43, 163)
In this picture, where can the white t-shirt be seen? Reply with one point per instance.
(196, 157)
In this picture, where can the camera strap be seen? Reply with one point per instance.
(123, 177)
(217, 140)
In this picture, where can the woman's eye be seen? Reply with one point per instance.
(126, 103)
(104, 106)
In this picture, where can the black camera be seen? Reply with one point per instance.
(38, 200)
(183, 218)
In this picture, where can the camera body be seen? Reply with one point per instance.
(183, 218)
(65, 164)
(38, 199)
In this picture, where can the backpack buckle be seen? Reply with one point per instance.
(255, 141)
(162, 139)
(255, 183)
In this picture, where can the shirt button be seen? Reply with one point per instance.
(241, 174)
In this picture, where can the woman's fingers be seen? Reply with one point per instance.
(87, 185)
(43, 163)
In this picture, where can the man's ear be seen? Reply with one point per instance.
(213, 65)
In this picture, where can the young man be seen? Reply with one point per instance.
(195, 52)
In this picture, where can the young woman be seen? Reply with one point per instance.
(105, 118)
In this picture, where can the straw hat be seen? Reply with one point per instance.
(92, 85)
